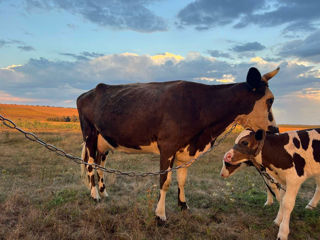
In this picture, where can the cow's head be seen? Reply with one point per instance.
(247, 147)
(260, 98)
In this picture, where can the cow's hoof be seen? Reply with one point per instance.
(183, 206)
(97, 200)
(160, 222)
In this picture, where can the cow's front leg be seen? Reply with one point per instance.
(316, 197)
(278, 219)
(165, 180)
(91, 178)
(288, 202)
(181, 178)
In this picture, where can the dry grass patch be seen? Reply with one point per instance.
(42, 197)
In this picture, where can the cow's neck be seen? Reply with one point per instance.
(228, 105)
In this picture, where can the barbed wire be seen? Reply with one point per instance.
(34, 138)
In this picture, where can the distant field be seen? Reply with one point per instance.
(36, 117)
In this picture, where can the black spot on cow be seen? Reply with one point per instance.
(111, 141)
(273, 152)
(270, 117)
(316, 150)
(296, 142)
(90, 168)
(299, 164)
(102, 188)
(304, 139)
(93, 183)
(182, 205)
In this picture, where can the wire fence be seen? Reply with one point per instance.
(34, 138)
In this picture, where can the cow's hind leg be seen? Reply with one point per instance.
(165, 180)
(101, 160)
(181, 178)
(91, 147)
(316, 197)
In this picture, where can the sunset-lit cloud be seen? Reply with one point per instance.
(8, 98)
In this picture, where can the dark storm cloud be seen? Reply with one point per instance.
(308, 48)
(296, 14)
(121, 14)
(250, 46)
(204, 14)
(216, 53)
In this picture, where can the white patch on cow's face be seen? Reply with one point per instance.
(244, 133)
(104, 145)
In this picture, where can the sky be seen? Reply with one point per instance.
(51, 51)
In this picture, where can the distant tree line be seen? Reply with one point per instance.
(73, 118)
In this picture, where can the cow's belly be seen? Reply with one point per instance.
(183, 155)
(103, 146)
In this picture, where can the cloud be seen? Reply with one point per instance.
(59, 83)
(250, 46)
(83, 56)
(26, 48)
(205, 14)
(295, 15)
(9, 99)
(309, 48)
(216, 53)
(120, 14)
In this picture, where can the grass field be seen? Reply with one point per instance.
(42, 195)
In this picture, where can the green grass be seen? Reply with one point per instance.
(42, 196)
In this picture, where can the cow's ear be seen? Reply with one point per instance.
(260, 135)
(253, 78)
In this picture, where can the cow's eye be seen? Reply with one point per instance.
(244, 143)
(269, 102)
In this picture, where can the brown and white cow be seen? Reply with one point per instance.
(179, 120)
(290, 158)
(228, 170)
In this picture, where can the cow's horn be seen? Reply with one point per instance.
(270, 75)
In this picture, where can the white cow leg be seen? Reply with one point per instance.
(316, 197)
(278, 219)
(288, 202)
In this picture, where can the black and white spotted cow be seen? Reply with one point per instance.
(290, 158)
(228, 170)
(178, 120)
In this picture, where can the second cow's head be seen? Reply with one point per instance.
(260, 99)
(247, 146)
